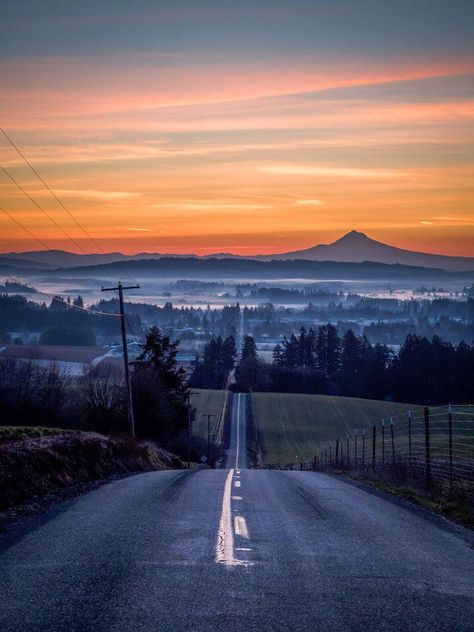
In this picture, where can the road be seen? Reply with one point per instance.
(235, 550)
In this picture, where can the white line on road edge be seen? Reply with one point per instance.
(241, 527)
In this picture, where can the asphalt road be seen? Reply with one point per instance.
(235, 549)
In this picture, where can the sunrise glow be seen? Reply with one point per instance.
(239, 147)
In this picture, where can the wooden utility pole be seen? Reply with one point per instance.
(120, 288)
(208, 415)
(190, 425)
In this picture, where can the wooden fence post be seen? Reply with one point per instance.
(383, 444)
(450, 428)
(374, 433)
(409, 443)
(355, 449)
(393, 440)
(427, 447)
(363, 448)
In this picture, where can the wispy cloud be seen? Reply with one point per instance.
(321, 170)
(96, 195)
(210, 206)
(308, 203)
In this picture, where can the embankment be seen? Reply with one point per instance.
(33, 468)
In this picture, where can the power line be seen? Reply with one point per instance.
(47, 215)
(61, 204)
(40, 241)
(61, 300)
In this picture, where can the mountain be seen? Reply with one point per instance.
(357, 247)
(53, 259)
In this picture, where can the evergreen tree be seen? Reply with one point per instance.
(159, 390)
(249, 350)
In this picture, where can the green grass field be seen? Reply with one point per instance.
(293, 427)
(206, 401)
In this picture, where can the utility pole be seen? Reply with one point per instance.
(189, 426)
(208, 415)
(120, 288)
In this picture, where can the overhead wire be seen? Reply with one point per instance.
(62, 205)
(47, 215)
(61, 300)
(58, 200)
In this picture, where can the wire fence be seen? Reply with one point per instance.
(432, 448)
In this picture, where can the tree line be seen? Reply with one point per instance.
(320, 361)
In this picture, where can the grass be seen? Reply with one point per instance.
(293, 427)
(206, 401)
(455, 509)
(10, 434)
(35, 468)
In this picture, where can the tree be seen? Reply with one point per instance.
(217, 360)
(249, 350)
(159, 390)
(68, 336)
(78, 302)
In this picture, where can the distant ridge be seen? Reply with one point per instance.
(356, 247)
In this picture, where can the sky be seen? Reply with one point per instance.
(249, 127)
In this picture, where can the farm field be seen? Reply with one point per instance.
(206, 401)
(292, 427)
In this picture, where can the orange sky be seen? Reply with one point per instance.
(175, 154)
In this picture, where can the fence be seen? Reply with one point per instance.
(431, 448)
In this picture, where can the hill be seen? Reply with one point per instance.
(357, 247)
(170, 267)
(292, 427)
(207, 401)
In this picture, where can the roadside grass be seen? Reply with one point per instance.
(35, 467)
(206, 401)
(456, 509)
(18, 433)
(292, 427)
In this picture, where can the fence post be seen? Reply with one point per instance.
(343, 465)
(409, 443)
(374, 433)
(363, 449)
(427, 447)
(450, 423)
(383, 444)
(355, 449)
(337, 452)
(330, 456)
(393, 440)
(348, 453)
(325, 457)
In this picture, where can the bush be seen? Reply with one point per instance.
(68, 337)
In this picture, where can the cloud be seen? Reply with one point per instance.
(96, 195)
(209, 206)
(134, 228)
(309, 203)
(333, 172)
